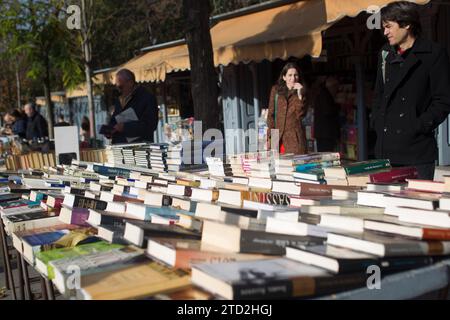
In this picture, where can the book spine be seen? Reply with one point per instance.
(269, 198)
(310, 218)
(315, 190)
(88, 203)
(436, 234)
(309, 166)
(77, 192)
(394, 176)
(264, 288)
(112, 220)
(367, 167)
(335, 284)
(271, 243)
(80, 219)
(404, 263)
(318, 158)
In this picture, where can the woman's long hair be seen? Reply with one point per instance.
(281, 84)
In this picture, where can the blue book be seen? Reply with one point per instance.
(44, 238)
(109, 171)
(145, 212)
(306, 167)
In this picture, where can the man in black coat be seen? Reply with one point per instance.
(412, 93)
(37, 126)
(143, 107)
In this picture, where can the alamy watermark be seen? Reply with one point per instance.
(374, 280)
(374, 20)
(74, 17)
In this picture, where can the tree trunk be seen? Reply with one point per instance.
(87, 67)
(19, 102)
(204, 79)
(48, 99)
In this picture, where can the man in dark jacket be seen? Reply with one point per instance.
(136, 101)
(412, 94)
(37, 126)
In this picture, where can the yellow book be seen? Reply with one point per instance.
(188, 183)
(41, 160)
(23, 162)
(134, 282)
(52, 159)
(31, 160)
(46, 160)
(36, 160)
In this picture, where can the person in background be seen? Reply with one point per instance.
(7, 130)
(61, 122)
(412, 92)
(37, 126)
(85, 130)
(135, 97)
(326, 116)
(286, 111)
(19, 123)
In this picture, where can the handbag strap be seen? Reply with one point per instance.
(276, 109)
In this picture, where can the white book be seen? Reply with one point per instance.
(202, 194)
(154, 199)
(176, 190)
(295, 228)
(372, 199)
(261, 183)
(230, 197)
(286, 187)
(116, 207)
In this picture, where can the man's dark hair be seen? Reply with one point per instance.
(127, 74)
(405, 13)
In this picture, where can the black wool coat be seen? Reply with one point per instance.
(145, 106)
(410, 102)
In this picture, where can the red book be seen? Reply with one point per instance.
(395, 175)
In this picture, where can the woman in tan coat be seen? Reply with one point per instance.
(286, 111)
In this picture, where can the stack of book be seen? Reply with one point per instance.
(158, 157)
(114, 155)
(218, 168)
(36, 160)
(128, 156)
(372, 174)
(142, 156)
(98, 156)
(175, 160)
(136, 236)
(355, 174)
(310, 168)
(236, 166)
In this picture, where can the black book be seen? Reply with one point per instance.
(113, 233)
(9, 197)
(271, 279)
(21, 217)
(98, 217)
(76, 191)
(75, 201)
(138, 232)
(251, 213)
(235, 239)
(342, 260)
